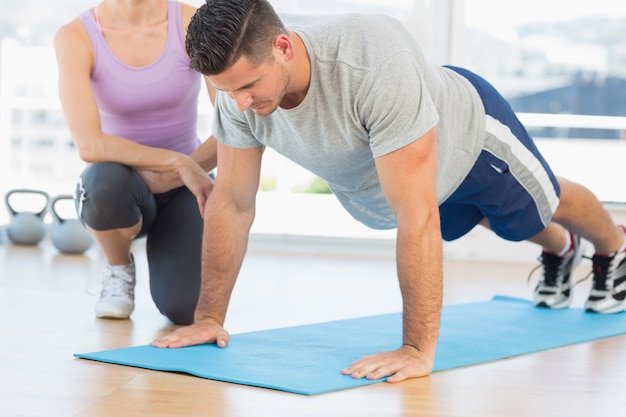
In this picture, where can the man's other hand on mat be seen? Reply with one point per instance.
(196, 334)
(404, 363)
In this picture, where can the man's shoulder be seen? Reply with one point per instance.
(357, 40)
(340, 21)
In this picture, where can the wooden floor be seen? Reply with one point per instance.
(46, 315)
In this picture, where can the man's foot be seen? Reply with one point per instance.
(608, 293)
(555, 288)
(117, 298)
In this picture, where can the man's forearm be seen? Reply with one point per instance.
(224, 246)
(420, 275)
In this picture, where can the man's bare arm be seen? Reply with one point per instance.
(408, 180)
(228, 216)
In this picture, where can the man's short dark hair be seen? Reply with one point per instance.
(222, 31)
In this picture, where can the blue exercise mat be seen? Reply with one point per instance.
(308, 359)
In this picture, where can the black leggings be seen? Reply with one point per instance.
(113, 196)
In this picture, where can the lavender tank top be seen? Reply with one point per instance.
(155, 105)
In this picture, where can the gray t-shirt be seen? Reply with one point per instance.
(371, 93)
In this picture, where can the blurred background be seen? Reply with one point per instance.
(562, 65)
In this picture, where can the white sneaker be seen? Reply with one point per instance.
(117, 298)
(555, 288)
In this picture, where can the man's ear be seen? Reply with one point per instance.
(283, 44)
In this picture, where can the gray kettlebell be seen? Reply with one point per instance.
(68, 234)
(26, 227)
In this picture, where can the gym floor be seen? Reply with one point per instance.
(46, 315)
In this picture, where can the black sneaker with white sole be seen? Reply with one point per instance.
(608, 293)
(555, 287)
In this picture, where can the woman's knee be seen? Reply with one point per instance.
(107, 180)
(109, 195)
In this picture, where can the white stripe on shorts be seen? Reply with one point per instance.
(525, 164)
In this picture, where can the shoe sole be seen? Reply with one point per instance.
(119, 314)
(113, 316)
(559, 306)
(610, 310)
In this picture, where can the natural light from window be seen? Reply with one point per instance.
(561, 63)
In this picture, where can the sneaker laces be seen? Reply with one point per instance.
(600, 270)
(112, 282)
(552, 263)
(117, 283)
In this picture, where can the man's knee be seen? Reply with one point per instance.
(178, 310)
(570, 194)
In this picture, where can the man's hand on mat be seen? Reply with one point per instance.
(196, 334)
(398, 365)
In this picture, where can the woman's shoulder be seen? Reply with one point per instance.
(186, 12)
(72, 32)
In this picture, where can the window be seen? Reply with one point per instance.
(562, 65)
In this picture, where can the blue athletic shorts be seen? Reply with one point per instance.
(511, 184)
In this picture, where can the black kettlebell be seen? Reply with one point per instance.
(26, 227)
(68, 234)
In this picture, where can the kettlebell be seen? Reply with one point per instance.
(25, 227)
(68, 234)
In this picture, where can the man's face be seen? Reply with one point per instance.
(260, 89)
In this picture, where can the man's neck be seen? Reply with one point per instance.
(300, 71)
